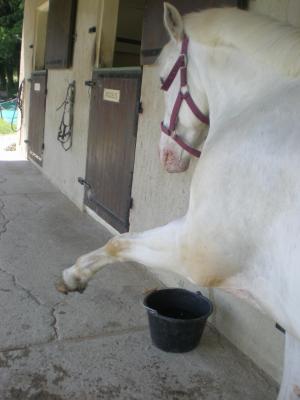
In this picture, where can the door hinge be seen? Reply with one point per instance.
(131, 203)
(43, 146)
(92, 29)
(141, 110)
(83, 182)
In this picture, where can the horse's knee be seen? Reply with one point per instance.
(117, 246)
(77, 276)
(84, 261)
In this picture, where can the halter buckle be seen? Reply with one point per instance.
(184, 90)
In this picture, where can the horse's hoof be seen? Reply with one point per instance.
(80, 289)
(61, 287)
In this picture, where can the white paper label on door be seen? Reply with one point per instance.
(111, 95)
(37, 87)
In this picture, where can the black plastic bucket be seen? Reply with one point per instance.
(177, 318)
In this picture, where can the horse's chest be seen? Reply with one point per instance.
(204, 263)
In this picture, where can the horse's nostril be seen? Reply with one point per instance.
(168, 156)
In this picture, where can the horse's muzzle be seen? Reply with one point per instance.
(172, 163)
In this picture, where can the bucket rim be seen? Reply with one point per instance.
(179, 320)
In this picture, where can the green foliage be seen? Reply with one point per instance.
(11, 16)
(5, 127)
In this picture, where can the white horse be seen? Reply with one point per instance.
(241, 231)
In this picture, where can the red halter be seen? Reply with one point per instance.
(184, 94)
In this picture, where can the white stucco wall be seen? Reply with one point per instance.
(64, 167)
(160, 197)
(61, 167)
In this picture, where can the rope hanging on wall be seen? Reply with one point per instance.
(65, 130)
(19, 105)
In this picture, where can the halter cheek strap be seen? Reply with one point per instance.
(184, 94)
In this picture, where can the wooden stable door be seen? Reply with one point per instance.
(115, 97)
(37, 111)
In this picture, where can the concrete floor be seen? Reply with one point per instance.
(95, 345)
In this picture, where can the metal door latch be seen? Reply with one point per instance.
(90, 83)
(88, 190)
(84, 183)
(87, 187)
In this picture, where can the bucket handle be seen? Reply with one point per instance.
(151, 311)
(208, 300)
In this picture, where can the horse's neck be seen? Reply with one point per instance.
(232, 81)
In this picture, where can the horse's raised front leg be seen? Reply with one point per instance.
(156, 248)
(290, 384)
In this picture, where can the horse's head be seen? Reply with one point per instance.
(184, 125)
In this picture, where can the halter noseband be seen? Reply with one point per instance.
(184, 94)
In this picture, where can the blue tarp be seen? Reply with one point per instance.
(8, 111)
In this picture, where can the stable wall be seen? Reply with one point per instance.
(160, 197)
(64, 167)
(61, 167)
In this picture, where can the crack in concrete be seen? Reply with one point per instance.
(76, 339)
(3, 228)
(39, 207)
(4, 290)
(54, 324)
(25, 194)
(32, 296)
(19, 286)
(3, 220)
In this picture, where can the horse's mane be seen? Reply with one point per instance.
(264, 38)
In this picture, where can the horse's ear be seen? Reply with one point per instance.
(173, 22)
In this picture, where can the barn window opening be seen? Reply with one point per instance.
(60, 34)
(129, 33)
(41, 20)
(120, 38)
